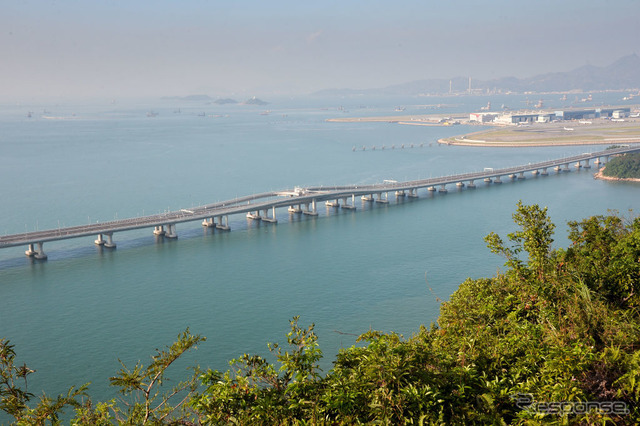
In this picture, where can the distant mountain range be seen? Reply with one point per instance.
(620, 75)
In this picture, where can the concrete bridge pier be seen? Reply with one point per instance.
(271, 219)
(224, 227)
(99, 241)
(311, 212)
(577, 165)
(586, 164)
(443, 188)
(30, 251)
(413, 193)
(557, 169)
(400, 194)
(368, 198)
(332, 203)
(497, 180)
(171, 231)
(512, 176)
(207, 222)
(431, 189)
(348, 206)
(566, 168)
(39, 253)
(254, 216)
(109, 243)
(159, 230)
(544, 172)
(459, 185)
(471, 184)
(521, 175)
(294, 209)
(384, 200)
(535, 172)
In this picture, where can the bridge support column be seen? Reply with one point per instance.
(99, 241)
(367, 198)
(512, 176)
(497, 180)
(400, 194)
(471, 184)
(159, 230)
(30, 251)
(294, 209)
(332, 203)
(413, 193)
(557, 169)
(224, 227)
(208, 222)
(544, 172)
(171, 231)
(431, 188)
(254, 216)
(271, 219)
(109, 243)
(521, 175)
(460, 185)
(443, 188)
(40, 255)
(586, 164)
(566, 168)
(578, 165)
(348, 206)
(313, 211)
(384, 200)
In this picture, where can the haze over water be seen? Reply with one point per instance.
(383, 267)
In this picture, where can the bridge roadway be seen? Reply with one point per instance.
(294, 199)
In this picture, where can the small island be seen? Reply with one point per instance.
(225, 101)
(255, 101)
(624, 167)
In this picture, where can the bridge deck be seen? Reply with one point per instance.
(275, 199)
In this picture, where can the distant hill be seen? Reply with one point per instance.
(255, 101)
(224, 101)
(622, 74)
(624, 167)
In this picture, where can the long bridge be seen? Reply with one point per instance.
(297, 200)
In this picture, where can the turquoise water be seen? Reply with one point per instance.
(383, 267)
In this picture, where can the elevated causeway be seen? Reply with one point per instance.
(297, 201)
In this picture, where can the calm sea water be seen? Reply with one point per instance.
(384, 267)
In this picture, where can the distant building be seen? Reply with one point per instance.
(545, 118)
(482, 117)
(620, 113)
(516, 118)
(566, 115)
(575, 114)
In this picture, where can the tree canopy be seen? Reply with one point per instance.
(624, 166)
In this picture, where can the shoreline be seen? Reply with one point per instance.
(496, 144)
(554, 134)
(599, 175)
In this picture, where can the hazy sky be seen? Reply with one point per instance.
(123, 48)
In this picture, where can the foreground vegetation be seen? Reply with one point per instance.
(624, 166)
(558, 327)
